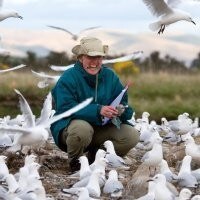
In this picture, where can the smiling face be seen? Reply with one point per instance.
(91, 64)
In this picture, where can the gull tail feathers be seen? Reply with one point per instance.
(154, 26)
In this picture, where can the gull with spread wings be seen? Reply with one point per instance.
(167, 12)
(74, 36)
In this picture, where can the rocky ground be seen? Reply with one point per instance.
(54, 169)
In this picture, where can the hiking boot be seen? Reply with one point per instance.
(74, 165)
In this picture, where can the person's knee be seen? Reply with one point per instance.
(133, 138)
(79, 133)
(129, 140)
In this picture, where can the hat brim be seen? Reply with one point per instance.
(95, 53)
(77, 50)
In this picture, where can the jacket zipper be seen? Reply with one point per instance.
(96, 86)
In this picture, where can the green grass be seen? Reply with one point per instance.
(165, 95)
(26, 83)
(162, 95)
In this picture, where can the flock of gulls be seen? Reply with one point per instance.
(25, 133)
(105, 177)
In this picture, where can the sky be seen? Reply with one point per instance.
(130, 17)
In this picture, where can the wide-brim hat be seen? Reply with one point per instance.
(90, 46)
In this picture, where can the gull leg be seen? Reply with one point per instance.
(160, 31)
(163, 29)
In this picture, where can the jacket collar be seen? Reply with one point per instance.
(91, 79)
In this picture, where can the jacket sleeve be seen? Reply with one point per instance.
(65, 97)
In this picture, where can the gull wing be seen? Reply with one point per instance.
(26, 110)
(13, 68)
(46, 76)
(15, 129)
(131, 56)
(90, 28)
(61, 68)
(158, 7)
(46, 110)
(69, 112)
(62, 29)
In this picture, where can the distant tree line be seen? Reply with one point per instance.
(152, 63)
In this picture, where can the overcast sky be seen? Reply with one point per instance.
(131, 16)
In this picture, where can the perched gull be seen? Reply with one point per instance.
(74, 36)
(150, 195)
(13, 68)
(191, 148)
(185, 177)
(113, 159)
(165, 170)
(3, 168)
(196, 197)
(81, 192)
(85, 168)
(113, 186)
(92, 186)
(167, 12)
(153, 157)
(4, 14)
(100, 165)
(196, 174)
(185, 194)
(96, 164)
(161, 189)
(5, 140)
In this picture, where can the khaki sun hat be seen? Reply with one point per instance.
(90, 46)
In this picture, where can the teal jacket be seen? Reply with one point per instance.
(75, 85)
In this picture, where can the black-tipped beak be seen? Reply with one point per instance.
(193, 22)
(149, 180)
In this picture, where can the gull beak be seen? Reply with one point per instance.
(193, 22)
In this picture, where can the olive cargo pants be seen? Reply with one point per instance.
(80, 137)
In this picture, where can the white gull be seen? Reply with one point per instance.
(37, 133)
(167, 12)
(4, 13)
(113, 186)
(74, 36)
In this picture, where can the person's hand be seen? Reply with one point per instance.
(109, 112)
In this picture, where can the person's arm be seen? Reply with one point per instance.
(65, 97)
